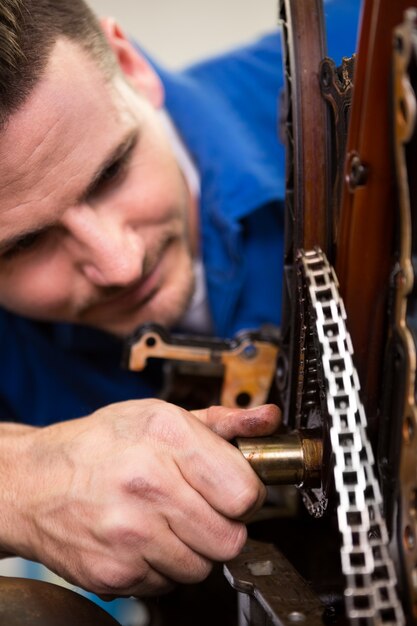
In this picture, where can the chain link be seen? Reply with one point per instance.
(370, 595)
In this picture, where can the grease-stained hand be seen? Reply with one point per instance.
(135, 497)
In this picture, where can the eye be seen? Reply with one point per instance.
(113, 171)
(110, 175)
(26, 243)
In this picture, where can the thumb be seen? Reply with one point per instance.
(229, 423)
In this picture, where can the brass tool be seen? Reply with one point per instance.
(289, 459)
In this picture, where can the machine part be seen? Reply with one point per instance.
(314, 126)
(356, 172)
(364, 263)
(273, 593)
(305, 126)
(311, 410)
(400, 416)
(337, 87)
(370, 593)
(369, 201)
(248, 360)
(290, 459)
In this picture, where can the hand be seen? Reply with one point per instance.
(136, 496)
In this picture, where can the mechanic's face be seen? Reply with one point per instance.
(94, 210)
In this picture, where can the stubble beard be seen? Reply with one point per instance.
(166, 307)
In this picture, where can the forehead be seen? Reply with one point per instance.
(53, 144)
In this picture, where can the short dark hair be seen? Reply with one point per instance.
(29, 30)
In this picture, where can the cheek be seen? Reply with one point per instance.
(38, 288)
(155, 190)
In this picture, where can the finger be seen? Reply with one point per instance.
(147, 563)
(163, 561)
(154, 583)
(230, 423)
(176, 561)
(204, 530)
(220, 473)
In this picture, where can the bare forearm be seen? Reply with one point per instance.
(15, 441)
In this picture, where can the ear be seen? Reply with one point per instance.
(133, 64)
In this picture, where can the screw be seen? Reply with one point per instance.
(357, 174)
(249, 351)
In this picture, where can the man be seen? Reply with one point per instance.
(99, 227)
(105, 218)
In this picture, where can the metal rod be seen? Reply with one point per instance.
(290, 459)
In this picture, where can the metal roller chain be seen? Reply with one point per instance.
(371, 596)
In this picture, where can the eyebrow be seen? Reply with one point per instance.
(122, 150)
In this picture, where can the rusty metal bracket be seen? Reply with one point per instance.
(248, 362)
(274, 594)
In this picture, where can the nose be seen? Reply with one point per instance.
(108, 252)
